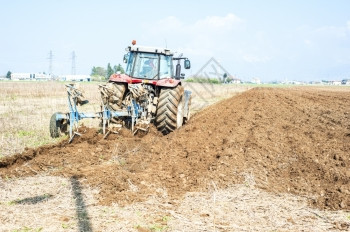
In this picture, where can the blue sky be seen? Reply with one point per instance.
(270, 39)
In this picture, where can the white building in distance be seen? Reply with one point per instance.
(75, 78)
(30, 76)
(256, 81)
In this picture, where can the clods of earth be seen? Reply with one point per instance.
(294, 140)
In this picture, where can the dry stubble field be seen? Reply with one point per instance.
(44, 202)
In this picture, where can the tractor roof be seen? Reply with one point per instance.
(164, 51)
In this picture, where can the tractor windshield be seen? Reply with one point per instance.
(149, 65)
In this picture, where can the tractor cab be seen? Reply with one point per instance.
(153, 63)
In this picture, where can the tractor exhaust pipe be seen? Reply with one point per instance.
(178, 70)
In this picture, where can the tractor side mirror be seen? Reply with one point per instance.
(187, 64)
(182, 75)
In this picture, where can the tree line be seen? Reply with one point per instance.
(101, 73)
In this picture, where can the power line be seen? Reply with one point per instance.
(73, 63)
(50, 58)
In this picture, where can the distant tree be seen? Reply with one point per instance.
(118, 68)
(203, 80)
(8, 75)
(98, 71)
(110, 71)
(228, 80)
(224, 78)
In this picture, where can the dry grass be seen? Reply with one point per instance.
(25, 111)
(46, 203)
(207, 94)
(26, 108)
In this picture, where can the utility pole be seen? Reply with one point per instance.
(50, 58)
(73, 63)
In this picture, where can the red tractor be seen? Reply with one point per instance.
(151, 90)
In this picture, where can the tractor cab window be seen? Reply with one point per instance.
(149, 65)
(129, 60)
(165, 70)
(145, 66)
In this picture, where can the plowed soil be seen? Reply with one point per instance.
(285, 140)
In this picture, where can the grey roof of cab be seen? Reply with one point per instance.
(164, 51)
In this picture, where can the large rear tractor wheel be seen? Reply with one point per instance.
(57, 128)
(114, 95)
(170, 109)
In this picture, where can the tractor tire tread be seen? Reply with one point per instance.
(166, 116)
(119, 91)
(54, 127)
